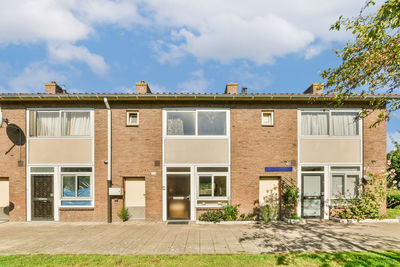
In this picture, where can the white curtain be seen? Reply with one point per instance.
(344, 123)
(175, 127)
(267, 118)
(314, 123)
(76, 123)
(48, 123)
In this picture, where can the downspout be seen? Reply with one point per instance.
(109, 183)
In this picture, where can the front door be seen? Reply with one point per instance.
(42, 197)
(312, 195)
(178, 196)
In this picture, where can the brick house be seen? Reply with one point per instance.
(82, 157)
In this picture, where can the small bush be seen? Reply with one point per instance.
(212, 216)
(123, 214)
(393, 198)
(244, 217)
(230, 212)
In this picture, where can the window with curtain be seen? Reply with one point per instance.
(181, 123)
(59, 123)
(344, 185)
(344, 123)
(314, 123)
(76, 186)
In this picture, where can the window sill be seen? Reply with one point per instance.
(77, 208)
(132, 125)
(267, 125)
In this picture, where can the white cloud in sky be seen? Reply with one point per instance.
(196, 83)
(33, 76)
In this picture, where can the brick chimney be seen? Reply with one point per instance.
(53, 88)
(142, 88)
(231, 88)
(315, 89)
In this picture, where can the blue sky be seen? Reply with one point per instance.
(175, 46)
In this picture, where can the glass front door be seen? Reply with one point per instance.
(42, 197)
(312, 195)
(178, 196)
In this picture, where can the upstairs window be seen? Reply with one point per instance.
(197, 123)
(329, 123)
(59, 123)
(132, 118)
(267, 118)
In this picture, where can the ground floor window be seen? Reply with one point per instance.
(212, 182)
(344, 182)
(77, 186)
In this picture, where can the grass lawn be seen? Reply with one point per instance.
(393, 212)
(372, 258)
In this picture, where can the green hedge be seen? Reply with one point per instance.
(393, 198)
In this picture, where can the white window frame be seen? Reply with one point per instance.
(212, 174)
(76, 174)
(60, 111)
(330, 132)
(345, 175)
(272, 117)
(196, 135)
(128, 113)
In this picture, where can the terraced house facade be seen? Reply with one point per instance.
(82, 157)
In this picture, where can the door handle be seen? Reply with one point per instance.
(188, 197)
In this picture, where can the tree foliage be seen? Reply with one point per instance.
(394, 166)
(371, 62)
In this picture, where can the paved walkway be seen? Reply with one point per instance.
(160, 238)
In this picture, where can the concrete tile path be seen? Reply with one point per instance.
(160, 238)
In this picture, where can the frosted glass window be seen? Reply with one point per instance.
(345, 124)
(337, 186)
(211, 123)
(314, 123)
(312, 185)
(312, 207)
(181, 123)
(351, 186)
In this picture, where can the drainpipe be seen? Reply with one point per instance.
(109, 183)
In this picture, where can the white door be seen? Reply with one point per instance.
(269, 188)
(4, 198)
(135, 198)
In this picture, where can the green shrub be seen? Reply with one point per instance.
(289, 198)
(123, 214)
(393, 198)
(212, 216)
(230, 212)
(244, 217)
(269, 210)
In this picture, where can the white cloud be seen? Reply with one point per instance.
(33, 78)
(63, 22)
(66, 52)
(257, 30)
(197, 83)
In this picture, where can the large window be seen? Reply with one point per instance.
(59, 123)
(197, 123)
(344, 182)
(329, 123)
(212, 185)
(77, 186)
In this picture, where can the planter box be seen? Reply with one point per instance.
(365, 220)
(228, 222)
(294, 221)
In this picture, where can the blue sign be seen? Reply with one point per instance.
(278, 169)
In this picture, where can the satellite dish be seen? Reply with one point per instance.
(16, 135)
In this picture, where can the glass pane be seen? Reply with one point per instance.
(205, 186)
(211, 123)
(212, 169)
(76, 203)
(181, 123)
(42, 169)
(219, 186)
(312, 207)
(83, 186)
(337, 186)
(76, 169)
(47, 123)
(312, 185)
(312, 169)
(345, 123)
(266, 118)
(76, 123)
(178, 169)
(351, 186)
(314, 123)
(345, 168)
(133, 118)
(69, 187)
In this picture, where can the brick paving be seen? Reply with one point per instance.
(160, 238)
